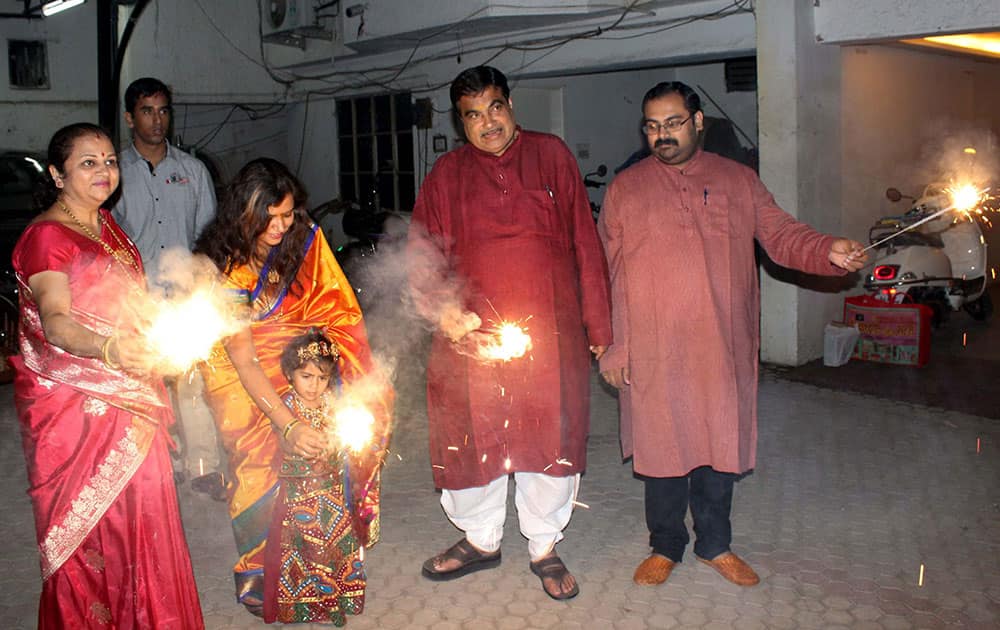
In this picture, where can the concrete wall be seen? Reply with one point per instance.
(848, 21)
(28, 117)
(202, 56)
(799, 99)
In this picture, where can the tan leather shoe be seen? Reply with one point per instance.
(653, 570)
(733, 568)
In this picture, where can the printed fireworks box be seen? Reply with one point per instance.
(890, 333)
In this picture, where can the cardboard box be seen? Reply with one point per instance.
(890, 333)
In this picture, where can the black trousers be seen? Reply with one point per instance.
(710, 496)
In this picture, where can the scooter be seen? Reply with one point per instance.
(941, 263)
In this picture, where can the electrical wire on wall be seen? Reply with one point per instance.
(394, 79)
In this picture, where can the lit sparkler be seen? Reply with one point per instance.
(354, 426)
(964, 199)
(183, 333)
(508, 341)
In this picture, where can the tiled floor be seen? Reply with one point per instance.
(852, 496)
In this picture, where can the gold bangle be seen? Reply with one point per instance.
(288, 427)
(106, 352)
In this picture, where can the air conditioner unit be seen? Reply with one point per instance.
(290, 22)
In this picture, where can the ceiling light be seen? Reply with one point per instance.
(51, 8)
(986, 44)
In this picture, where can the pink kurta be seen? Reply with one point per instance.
(517, 230)
(686, 307)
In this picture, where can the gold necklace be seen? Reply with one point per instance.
(122, 255)
(316, 417)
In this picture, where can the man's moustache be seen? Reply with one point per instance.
(662, 142)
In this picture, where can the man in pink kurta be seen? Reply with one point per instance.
(508, 216)
(679, 230)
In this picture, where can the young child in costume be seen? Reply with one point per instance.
(327, 508)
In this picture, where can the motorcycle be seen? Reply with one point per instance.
(940, 263)
(368, 230)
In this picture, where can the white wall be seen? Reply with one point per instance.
(29, 117)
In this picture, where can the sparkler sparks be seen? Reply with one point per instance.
(964, 198)
(508, 341)
(183, 333)
(354, 426)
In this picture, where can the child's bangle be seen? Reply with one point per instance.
(288, 427)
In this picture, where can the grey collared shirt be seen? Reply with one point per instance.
(163, 207)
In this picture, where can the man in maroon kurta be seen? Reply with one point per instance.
(508, 215)
(678, 230)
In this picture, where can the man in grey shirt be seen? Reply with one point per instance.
(167, 195)
(167, 198)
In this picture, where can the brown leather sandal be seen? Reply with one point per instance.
(470, 560)
(552, 568)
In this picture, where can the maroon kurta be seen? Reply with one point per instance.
(686, 307)
(517, 230)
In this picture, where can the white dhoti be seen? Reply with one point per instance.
(544, 506)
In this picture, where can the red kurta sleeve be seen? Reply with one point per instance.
(595, 305)
(610, 230)
(787, 241)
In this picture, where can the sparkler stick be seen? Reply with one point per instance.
(964, 199)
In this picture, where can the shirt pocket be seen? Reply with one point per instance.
(716, 213)
(536, 211)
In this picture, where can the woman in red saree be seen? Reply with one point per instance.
(277, 263)
(93, 420)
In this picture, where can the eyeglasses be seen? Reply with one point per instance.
(651, 127)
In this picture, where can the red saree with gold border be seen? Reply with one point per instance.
(113, 552)
(324, 300)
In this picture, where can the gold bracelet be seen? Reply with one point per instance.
(106, 353)
(288, 427)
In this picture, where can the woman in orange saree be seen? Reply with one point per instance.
(93, 420)
(276, 263)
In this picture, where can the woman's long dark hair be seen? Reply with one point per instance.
(230, 240)
(60, 148)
